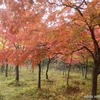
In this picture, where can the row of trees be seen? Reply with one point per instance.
(35, 29)
(65, 68)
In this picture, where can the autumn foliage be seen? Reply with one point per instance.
(35, 29)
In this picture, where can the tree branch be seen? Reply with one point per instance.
(84, 47)
(89, 51)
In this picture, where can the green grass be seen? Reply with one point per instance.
(53, 89)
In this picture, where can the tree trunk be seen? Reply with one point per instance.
(17, 73)
(94, 84)
(69, 71)
(94, 78)
(39, 76)
(64, 70)
(68, 76)
(86, 70)
(2, 67)
(6, 70)
(6, 74)
(82, 71)
(47, 69)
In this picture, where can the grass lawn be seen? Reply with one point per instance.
(53, 89)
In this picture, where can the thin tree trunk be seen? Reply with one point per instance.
(2, 67)
(6, 70)
(63, 69)
(86, 70)
(68, 76)
(82, 71)
(69, 71)
(39, 76)
(17, 73)
(6, 74)
(47, 69)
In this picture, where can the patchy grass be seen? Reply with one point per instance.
(53, 89)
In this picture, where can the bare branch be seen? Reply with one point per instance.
(89, 51)
(15, 46)
(84, 47)
(82, 4)
(59, 4)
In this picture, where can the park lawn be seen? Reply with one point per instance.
(53, 89)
